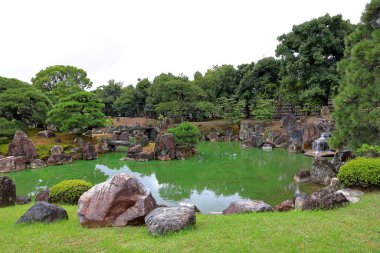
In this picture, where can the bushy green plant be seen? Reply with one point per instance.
(8, 129)
(368, 151)
(185, 134)
(69, 191)
(361, 172)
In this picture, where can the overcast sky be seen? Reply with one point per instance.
(126, 40)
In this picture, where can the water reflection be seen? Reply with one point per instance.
(219, 174)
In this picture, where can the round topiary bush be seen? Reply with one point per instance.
(68, 191)
(361, 172)
(185, 134)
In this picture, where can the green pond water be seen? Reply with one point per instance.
(219, 174)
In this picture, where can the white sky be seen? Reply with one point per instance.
(126, 40)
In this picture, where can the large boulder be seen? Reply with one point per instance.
(118, 202)
(103, 146)
(341, 157)
(326, 198)
(135, 149)
(89, 151)
(322, 171)
(22, 146)
(46, 134)
(254, 141)
(299, 200)
(44, 212)
(12, 163)
(170, 219)
(185, 151)
(7, 192)
(59, 159)
(37, 163)
(246, 130)
(165, 147)
(56, 150)
(124, 136)
(352, 195)
(310, 133)
(247, 206)
(289, 123)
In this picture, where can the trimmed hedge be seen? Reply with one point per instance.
(68, 191)
(361, 172)
(368, 151)
(185, 133)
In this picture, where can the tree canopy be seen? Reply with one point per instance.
(309, 56)
(108, 94)
(59, 81)
(357, 105)
(77, 112)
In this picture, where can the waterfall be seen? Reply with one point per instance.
(320, 144)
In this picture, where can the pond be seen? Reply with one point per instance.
(218, 174)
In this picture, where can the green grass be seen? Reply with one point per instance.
(355, 228)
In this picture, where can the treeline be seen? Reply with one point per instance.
(306, 72)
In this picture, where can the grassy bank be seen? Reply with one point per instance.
(355, 228)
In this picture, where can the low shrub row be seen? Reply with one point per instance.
(361, 172)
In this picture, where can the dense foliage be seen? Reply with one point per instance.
(68, 191)
(357, 105)
(78, 112)
(59, 81)
(309, 56)
(185, 134)
(361, 172)
(21, 105)
(368, 151)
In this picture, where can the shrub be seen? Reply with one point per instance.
(8, 129)
(368, 151)
(69, 191)
(43, 151)
(185, 134)
(362, 172)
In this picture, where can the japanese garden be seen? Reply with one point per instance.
(277, 155)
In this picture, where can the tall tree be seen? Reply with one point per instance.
(357, 105)
(309, 56)
(77, 112)
(142, 88)
(59, 81)
(108, 94)
(125, 104)
(261, 80)
(21, 102)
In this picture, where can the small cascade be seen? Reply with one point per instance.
(321, 144)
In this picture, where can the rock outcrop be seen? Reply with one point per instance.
(247, 206)
(326, 198)
(165, 147)
(22, 200)
(43, 196)
(59, 159)
(118, 202)
(12, 163)
(322, 171)
(169, 219)
(254, 141)
(340, 158)
(302, 176)
(89, 151)
(285, 206)
(37, 163)
(22, 146)
(56, 150)
(7, 192)
(44, 212)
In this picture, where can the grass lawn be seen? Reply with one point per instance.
(355, 228)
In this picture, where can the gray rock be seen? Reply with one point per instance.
(7, 192)
(37, 163)
(22, 146)
(59, 159)
(12, 163)
(247, 206)
(352, 195)
(190, 205)
(22, 200)
(89, 151)
(341, 157)
(254, 141)
(46, 134)
(326, 198)
(299, 200)
(118, 202)
(135, 149)
(165, 147)
(44, 212)
(169, 219)
(56, 150)
(322, 171)
(289, 123)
